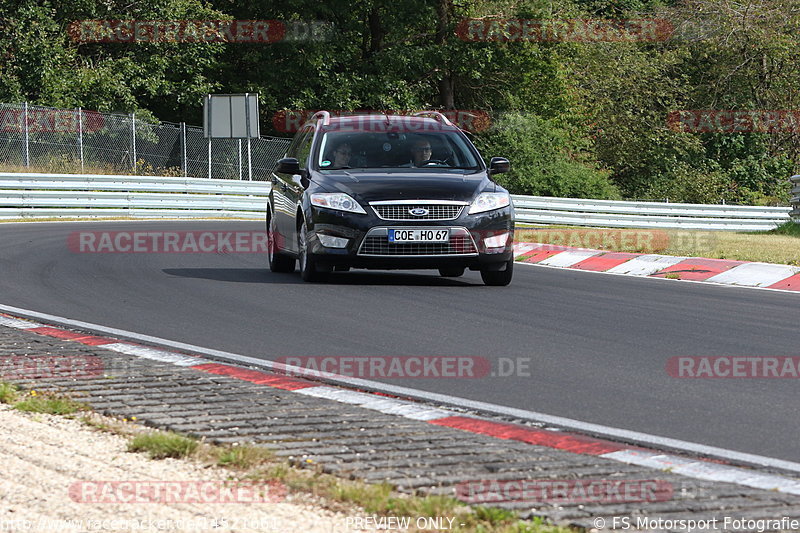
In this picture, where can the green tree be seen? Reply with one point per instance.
(548, 158)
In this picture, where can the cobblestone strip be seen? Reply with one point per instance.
(354, 442)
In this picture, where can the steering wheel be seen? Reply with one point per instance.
(437, 161)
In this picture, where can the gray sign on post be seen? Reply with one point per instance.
(231, 116)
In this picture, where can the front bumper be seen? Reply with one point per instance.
(367, 245)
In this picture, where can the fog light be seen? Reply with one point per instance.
(496, 243)
(329, 241)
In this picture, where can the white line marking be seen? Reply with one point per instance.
(389, 406)
(569, 258)
(524, 247)
(644, 265)
(566, 423)
(153, 354)
(18, 324)
(706, 470)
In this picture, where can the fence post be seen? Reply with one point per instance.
(27, 138)
(185, 162)
(209, 157)
(239, 142)
(133, 140)
(80, 135)
(249, 161)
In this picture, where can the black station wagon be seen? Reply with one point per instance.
(389, 192)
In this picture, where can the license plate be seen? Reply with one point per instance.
(419, 235)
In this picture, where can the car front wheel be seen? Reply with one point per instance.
(498, 278)
(309, 270)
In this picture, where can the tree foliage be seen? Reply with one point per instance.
(576, 118)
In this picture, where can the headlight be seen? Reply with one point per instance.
(487, 201)
(338, 201)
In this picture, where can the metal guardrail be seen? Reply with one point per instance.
(624, 214)
(88, 195)
(795, 213)
(82, 195)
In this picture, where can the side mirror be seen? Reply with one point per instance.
(288, 165)
(499, 165)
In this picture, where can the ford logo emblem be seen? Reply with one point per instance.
(419, 211)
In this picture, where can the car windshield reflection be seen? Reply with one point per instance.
(395, 150)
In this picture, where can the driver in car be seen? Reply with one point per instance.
(420, 153)
(342, 155)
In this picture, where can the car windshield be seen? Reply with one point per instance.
(395, 149)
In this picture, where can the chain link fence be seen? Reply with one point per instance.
(76, 139)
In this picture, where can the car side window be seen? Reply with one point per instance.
(304, 148)
(292, 150)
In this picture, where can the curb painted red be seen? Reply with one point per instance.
(89, 340)
(683, 268)
(540, 437)
(791, 283)
(552, 439)
(699, 269)
(258, 377)
(604, 262)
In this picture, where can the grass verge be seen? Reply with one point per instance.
(163, 444)
(258, 464)
(34, 402)
(8, 393)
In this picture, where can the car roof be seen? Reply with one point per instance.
(379, 123)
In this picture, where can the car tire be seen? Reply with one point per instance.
(451, 272)
(278, 262)
(309, 270)
(498, 278)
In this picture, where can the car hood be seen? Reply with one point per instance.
(375, 186)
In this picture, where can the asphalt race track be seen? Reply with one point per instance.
(598, 344)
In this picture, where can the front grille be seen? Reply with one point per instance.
(380, 245)
(401, 211)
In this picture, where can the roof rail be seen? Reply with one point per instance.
(435, 114)
(324, 115)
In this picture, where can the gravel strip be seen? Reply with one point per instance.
(44, 456)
